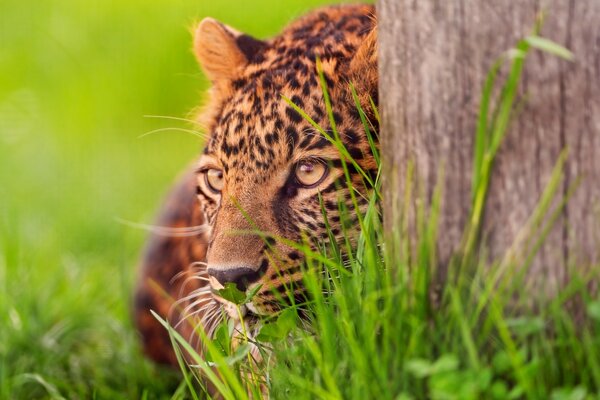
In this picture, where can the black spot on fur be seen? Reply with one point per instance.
(319, 143)
(271, 138)
(306, 141)
(238, 84)
(297, 101)
(352, 136)
(306, 89)
(294, 84)
(252, 48)
(293, 115)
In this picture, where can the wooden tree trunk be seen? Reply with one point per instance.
(434, 57)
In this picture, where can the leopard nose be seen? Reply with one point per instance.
(240, 276)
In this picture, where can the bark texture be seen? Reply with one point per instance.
(434, 56)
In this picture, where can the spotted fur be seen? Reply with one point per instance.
(257, 140)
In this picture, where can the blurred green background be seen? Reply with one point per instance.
(77, 79)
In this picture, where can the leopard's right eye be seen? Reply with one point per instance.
(214, 180)
(309, 173)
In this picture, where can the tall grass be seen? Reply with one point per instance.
(375, 328)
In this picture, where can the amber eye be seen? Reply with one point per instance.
(310, 173)
(214, 179)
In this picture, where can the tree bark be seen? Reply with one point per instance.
(433, 60)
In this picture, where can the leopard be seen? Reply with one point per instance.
(267, 177)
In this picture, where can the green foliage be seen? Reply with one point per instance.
(280, 328)
(232, 294)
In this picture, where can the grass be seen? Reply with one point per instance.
(76, 80)
(372, 327)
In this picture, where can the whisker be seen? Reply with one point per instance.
(197, 271)
(215, 321)
(204, 263)
(201, 309)
(194, 304)
(204, 321)
(196, 293)
(189, 279)
(190, 131)
(191, 316)
(188, 314)
(168, 231)
(174, 118)
(177, 276)
(197, 301)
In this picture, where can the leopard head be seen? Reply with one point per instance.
(267, 177)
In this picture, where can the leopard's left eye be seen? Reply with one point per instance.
(214, 180)
(309, 173)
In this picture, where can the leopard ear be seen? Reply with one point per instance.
(363, 71)
(222, 51)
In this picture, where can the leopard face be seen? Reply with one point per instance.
(267, 177)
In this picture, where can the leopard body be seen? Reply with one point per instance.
(252, 175)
